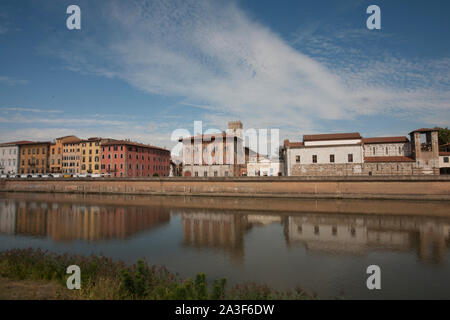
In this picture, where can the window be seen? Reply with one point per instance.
(350, 157)
(297, 159)
(334, 230)
(205, 174)
(314, 158)
(331, 157)
(373, 149)
(446, 159)
(316, 230)
(387, 150)
(196, 173)
(215, 173)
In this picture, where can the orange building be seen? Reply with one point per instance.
(33, 157)
(56, 153)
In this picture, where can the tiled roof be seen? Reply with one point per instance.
(131, 143)
(94, 139)
(331, 136)
(385, 140)
(389, 159)
(289, 144)
(16, 143)
(424, 130)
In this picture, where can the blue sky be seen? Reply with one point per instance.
(141, 69)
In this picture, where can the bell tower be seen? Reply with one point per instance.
(425, 150)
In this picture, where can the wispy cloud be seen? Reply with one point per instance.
(212, 55)
(11, 81)
(33, 110)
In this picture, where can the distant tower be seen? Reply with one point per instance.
(425, 150)
(235, 128)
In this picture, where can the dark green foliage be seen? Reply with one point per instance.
(102, 278)
(444, 135)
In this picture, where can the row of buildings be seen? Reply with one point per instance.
(224, 154)
(72, 155)
(337, 154)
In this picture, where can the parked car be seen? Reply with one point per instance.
(4, 176)
(96, 175)
(56, 175)
(45, 176)
(67, 175)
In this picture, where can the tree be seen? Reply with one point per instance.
(444, 135)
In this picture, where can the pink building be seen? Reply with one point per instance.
(122, 158)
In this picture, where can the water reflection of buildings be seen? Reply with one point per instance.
(7, 217)
(68, 222)
(222, 231)
(215, 231)
(359, 234)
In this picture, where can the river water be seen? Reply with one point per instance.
(324, 246)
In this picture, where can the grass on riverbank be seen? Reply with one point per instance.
(103, 278)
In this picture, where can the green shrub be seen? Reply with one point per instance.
(103, 278)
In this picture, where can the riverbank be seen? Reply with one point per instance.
(260, 206)
(35, 274)
(376, 188)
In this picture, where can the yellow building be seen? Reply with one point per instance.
(56, 153)
(71, 156)
(90, 155)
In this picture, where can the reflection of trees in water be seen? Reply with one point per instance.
(67, 222)
(430, 237)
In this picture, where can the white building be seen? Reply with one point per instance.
(9, 158)
(324, 155)
(386, 147)
(216, 155)
(346, 154)
(263, 166)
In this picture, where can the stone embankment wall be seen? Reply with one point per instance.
(408, 187)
